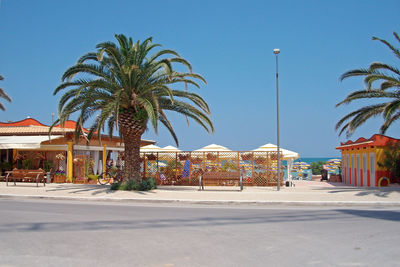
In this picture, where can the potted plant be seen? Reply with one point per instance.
(259, 160)
(92, 179)
(59, 177)
(211, 156)
(247, 156)
(183, 157)
(197, 160)
(151, 157)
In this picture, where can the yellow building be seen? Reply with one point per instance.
(360, 161)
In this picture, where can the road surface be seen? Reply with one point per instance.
(74, 233)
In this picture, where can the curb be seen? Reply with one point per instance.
(209, 202)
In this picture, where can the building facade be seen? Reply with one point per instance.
(360, 161)
(30, 139)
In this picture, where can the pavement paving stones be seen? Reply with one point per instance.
(304, 192)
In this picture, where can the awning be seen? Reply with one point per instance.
(25, 142)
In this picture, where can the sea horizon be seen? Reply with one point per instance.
(314, 159)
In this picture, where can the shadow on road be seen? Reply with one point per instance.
(214, 220)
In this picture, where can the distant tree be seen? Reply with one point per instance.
(389, 78)
(3, 95)
(316, 167)
(130, 87)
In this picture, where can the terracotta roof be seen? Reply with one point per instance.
(34, 130)
(69, 124)
(375, 140)
(25, 122)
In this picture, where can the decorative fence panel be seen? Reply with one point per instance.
(185, 168)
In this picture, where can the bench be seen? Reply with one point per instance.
(221, 178)
(26, 176)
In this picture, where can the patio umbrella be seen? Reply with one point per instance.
(286, 154)
(301, 165)
(171, 149)
(213, 149)
(150, 149)
(334, 161)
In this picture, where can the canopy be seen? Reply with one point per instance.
(25, 142)
(150, 148)
(287, 154)
(213, 148)
(170, 149)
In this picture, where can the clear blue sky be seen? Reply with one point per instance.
(230, 43)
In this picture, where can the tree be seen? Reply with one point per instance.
(317, 167)
(129, 87)
(390, 160)
(3, 95)
(389, 78)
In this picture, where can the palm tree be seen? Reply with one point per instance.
(3, 95)
(389, 88)
(128, 88)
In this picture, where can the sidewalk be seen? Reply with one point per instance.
(304, 193)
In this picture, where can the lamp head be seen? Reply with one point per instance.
(277, 51)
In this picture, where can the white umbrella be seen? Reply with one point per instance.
(150, 148)
(213, 148)
(286, 154)
(170, 149)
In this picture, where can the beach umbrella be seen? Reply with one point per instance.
(301, 165)
(286, 154)
(334, 161)
(150, 149)
(171, 149)
(213, 148)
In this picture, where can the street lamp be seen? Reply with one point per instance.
(276, 52)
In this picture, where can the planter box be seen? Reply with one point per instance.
(91, 181)
(59, 179)
(79, 181)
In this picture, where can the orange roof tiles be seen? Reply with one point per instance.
(25, 122)
(375, 140)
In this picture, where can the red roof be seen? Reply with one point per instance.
(375, 140)
(70, 125)
(32, 122)
(25, 122)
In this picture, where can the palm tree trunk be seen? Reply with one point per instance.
(131, 131)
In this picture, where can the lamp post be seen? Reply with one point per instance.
(276, 52)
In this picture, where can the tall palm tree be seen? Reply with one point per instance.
(388, 78)
(128, 87)
(3, 95)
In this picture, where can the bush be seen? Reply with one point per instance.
(131, 185)
(391, 160)
(92, 176)
(27, 164)
(317, 167)
(48, 165)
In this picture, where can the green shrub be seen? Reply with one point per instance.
(48, 165)
(27, 164)
(92, 176)
(115, 186)
(391, 160)
(131, 185)
(317, 167)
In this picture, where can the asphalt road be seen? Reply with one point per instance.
(62, 233)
